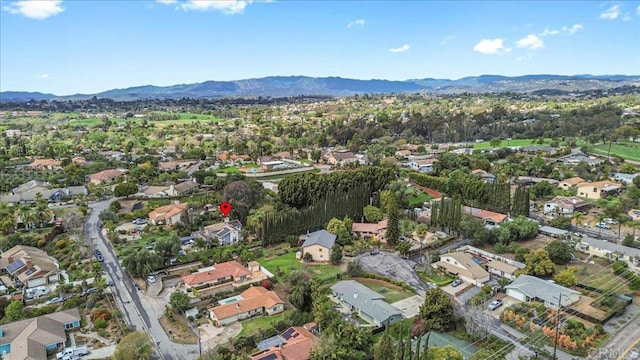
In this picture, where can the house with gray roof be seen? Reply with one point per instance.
(34, 338)
(605, 249)
(530, 288)
(224, 233)
(368, 304)
(318, 245)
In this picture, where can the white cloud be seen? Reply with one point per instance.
(530, 42)
(358, 23)
(626, 17)
(611, 13)
(447, 39)
(547, 32)
(491, 46)
(638, 9)
(42, 76)
(225, 6)
(573, 29)
(35, 9)
(403, 48)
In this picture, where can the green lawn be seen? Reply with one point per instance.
(252, 325)
(391, 293)
(323, 272)
(229, 170)
(286, 263)
(626, 150)
(513, 142)
(437, 279)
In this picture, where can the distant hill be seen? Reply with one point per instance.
(280, 86)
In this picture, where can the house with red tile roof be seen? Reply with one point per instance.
(46, 164)
(168, 214)
(254, 301)
(489, 217)
(105, 176)
(222, 273)
(295, 343)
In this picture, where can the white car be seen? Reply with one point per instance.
(610, 221)
(151, 279)
(54, 300)
(603, 225)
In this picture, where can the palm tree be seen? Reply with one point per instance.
(622, 220)
(42, 212)
(577, 218)
(27, 216)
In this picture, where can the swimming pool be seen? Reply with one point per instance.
(230, 300)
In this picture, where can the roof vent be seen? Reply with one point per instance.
(355, 296)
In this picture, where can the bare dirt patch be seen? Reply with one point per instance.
(178, 330)
(379, 283)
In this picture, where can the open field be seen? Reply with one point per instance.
(507, 143)
(391, 292)
(625, 149)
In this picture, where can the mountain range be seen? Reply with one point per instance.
(281, 86)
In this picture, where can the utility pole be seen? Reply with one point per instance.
(555, 342)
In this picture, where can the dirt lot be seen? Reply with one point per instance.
(178, 329)
(393, 266)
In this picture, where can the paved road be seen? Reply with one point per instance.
(138, 310)
(623, 340)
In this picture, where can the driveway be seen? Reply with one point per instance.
(212, 336)
(103, 353)
(391, 265)
(409, 307)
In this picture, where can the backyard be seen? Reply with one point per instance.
(287, 262)
(416, 197)
(250, 326)
(391, 292)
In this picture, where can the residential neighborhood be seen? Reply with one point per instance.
(338, 235)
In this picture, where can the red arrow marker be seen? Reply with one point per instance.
(225, 208)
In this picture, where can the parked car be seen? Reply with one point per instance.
(610, 221)
(432, 285)
(90, 291)
(151, 279)
(495, 304)
(72, 352)
(99, 257)
(54, 300)
(139, 221)
(457, 282)
(374, 252)
(97, 252)
(602, 225)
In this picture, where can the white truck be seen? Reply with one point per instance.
(73, 352)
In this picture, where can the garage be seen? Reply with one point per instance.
(517, 294)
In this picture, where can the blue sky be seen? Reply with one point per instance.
(67, 47)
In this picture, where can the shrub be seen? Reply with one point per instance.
(61, 244)
(42, 243)
(100, 313)
(100, 323)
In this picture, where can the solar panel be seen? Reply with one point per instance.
(287, 334)
(30, 271)
(270, 342)
(14, 266)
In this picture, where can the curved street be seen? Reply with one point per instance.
(138, 309)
